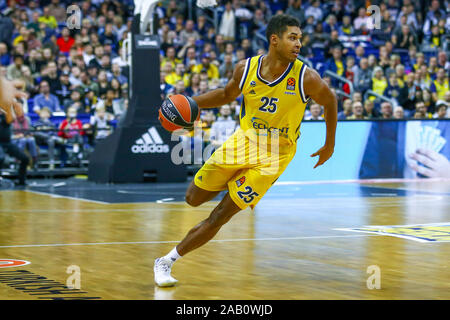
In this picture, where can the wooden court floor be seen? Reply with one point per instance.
(290, 247)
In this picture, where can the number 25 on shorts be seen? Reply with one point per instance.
(248, 195)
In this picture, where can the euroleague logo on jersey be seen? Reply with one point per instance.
(290, 85)
(8, 263)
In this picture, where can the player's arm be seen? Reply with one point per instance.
(316, 88)
(221, 96)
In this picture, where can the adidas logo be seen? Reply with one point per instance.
(252, 92)
(150, 142)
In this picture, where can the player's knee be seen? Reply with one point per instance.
(192, 200)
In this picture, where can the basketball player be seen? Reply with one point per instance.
(8, 95)
(276, 88)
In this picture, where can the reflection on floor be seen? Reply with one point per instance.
(296, 244)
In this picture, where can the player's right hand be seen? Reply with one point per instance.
(8, 96)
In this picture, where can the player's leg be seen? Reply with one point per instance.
(196, 237)
(15, 152)
(196, 196)
(207, 229)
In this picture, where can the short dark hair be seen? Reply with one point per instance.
(279, 23)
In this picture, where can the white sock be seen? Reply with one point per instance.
(172, 256)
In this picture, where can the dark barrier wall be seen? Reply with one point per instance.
(140, 146)
(374, 149)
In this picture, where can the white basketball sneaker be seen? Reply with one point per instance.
(162, 270)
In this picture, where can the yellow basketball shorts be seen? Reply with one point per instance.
(246, 168)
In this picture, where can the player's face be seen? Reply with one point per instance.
(290, 43)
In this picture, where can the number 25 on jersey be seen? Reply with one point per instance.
(269, 105)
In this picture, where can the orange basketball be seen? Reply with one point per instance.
(178, 112)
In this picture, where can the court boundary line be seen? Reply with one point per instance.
(55, 195)
(369, 181)
(178, 241)
(407, 237)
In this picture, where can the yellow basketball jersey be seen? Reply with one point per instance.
(272, 109)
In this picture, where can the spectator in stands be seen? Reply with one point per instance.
(427, 99)
(71, 130)
(363, 76)
(65, 42)
(357, 112)
(399, 113)
(316, 112)
(369, 110)
(247, 47)
(387, 24)
(405, 39)
(100, 124)
(226, 66)
(347, 110)
(386, 110)
(309, 25)
(395, 91)
(372, 61)
(420, 61)
(315, 11)
(170, 57)
(48, 19)
(346, 28)
(13, 71)
(433, 16)
(335, 64)
(410, 93)
(332, 43)
(361, 20)
(76, 99)
(421, 111)
(440, 86)
(331, 24)
(6, 146)
(108, 37)
(164, 86)
(50, 75)
(211, 69)
(227, 26)
(180, 88)
(295, 9)
(189, 32)
(441, 110)
(433, 67)
(117, 74)
(63, 90)
(443, 61)
(223, 127)
(23, 138)
(45, 134)
(379, 82)
(45, 99)
(178, 74)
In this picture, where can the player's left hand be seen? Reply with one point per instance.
(8, 95)
(324, 154)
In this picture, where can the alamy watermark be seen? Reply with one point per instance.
(258, 147)
(374, 14)
(73, 20)
(74, 280)
(374, 280)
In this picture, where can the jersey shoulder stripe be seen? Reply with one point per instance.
(245, 74)
(300, 87)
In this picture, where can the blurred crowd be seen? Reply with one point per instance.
(77, 80)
